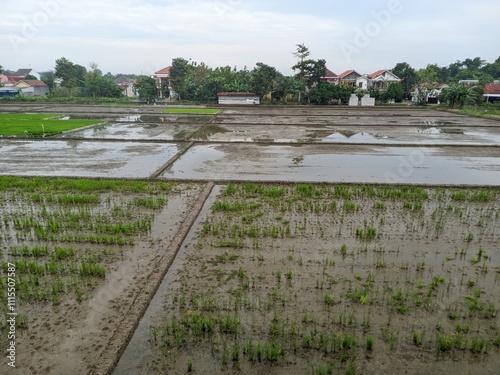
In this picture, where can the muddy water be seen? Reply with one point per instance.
(364, 164)
(390, 135)
(133, 131)
(138, 354)
(83, 159)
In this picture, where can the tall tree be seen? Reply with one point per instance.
(146, 88)
(309, 71)
(430, 74)
(302, 54)
(99, 86)
(264, 79)
(492, 69)
(408, 77)
(72, 75)
(179, 76)
(473, 64)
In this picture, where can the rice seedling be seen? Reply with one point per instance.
(369, 343)
(329, 299)
(417, 337)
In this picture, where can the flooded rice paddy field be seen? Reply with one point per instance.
(342, 163)
(312, 279)
(410, 145)
(287, 268)
(84, 252)
(81, 158)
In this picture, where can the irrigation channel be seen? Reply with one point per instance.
(315, 161)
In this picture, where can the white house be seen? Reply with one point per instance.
(127, 86)
(363, 82)
(382, 78)
(162, 78)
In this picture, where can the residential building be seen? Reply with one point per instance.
(32, 88)
(23, 73)
(349, 77)
(492, 92)
(162, 78)
(127, 86)
(382, 78)
(330, 77)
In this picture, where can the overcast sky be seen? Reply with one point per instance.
(142, 36)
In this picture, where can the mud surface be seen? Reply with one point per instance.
(67, 334)
(341, 163)
(335, 145)
(270, 257)
(79, 158)
(430, 268)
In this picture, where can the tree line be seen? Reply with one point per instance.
(193, 81)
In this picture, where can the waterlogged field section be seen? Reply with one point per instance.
(82, 251)
(311, 279)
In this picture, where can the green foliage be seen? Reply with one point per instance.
(96, 85)
(394, 92)
(72, 75)
(146, 88)
(38, 125)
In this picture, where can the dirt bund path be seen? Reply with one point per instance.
(113, 351)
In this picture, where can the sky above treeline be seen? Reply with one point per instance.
(140, 37)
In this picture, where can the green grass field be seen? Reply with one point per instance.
(195, 111)
(482, 112)
(37, 125)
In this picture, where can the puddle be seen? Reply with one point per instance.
(206, 132)
(433, 130)
(312, 163)
(347, 136)
(83, 158)
(131, 118)
(138, 355)
(133, 131)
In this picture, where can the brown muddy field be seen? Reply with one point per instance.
(81, 267)
(288, 276)
(309, 279)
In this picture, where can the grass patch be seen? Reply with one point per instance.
(38, 125)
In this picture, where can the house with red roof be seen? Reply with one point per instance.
(29, 87)
(162, 78)
(349, 77)
(330, 77)
(382, 78)
(492, 92)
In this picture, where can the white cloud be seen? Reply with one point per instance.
(137, 35)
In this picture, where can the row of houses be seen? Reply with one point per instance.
(22, 83)
(379, 79)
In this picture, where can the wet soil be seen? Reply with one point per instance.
(422, 272)
(273, 263)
